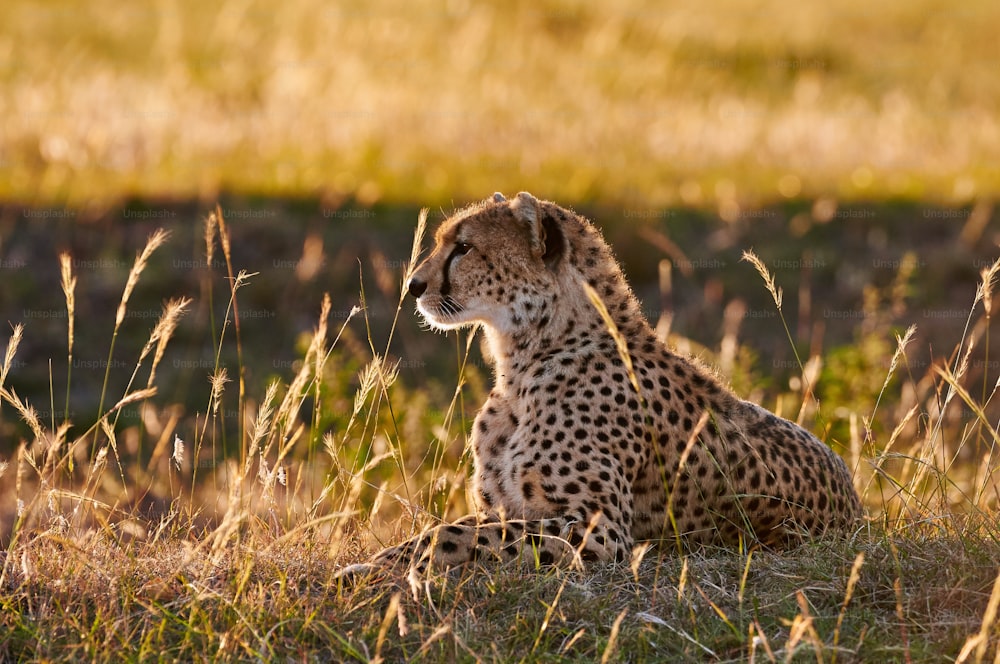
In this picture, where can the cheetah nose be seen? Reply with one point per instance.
(416, 287)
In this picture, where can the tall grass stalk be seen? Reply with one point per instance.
(152, 244)
(68, 282)
(235, 281)
(777, 295)
(211, 228)
(9, 353)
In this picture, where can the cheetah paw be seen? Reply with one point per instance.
(352, 576)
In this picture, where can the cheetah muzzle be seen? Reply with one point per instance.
(580, 451)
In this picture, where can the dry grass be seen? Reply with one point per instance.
(718, 105)
(184, 552)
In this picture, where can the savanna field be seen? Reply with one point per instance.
(214, 393)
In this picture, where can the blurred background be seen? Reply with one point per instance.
(855, 147)
(726, 104)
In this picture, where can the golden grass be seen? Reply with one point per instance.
(722, 105)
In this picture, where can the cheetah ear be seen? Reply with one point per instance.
(498, 198)
(525, 209)
(547, 239)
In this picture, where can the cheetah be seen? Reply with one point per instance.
(596, 436)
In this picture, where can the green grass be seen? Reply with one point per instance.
(149, 549)
(725, 105)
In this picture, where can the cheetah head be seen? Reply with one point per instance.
(492, 263)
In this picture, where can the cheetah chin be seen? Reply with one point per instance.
(584, 448)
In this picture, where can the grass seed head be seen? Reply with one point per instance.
(262, 423)
(224, 238)
(218, 381)
(768, 278)
(984, 292)
(164, 330)
(8, 358)
(211, 224)
(375, 373)
(901, 344)
(132, 397)
(418, 239)
(26, 411)
(100, 460)
(152, 244)
(69, 290)
(178, 456)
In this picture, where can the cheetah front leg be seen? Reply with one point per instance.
(562, 541)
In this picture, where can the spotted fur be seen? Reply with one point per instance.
(580, 452)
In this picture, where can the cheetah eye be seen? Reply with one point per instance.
(462, 248)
